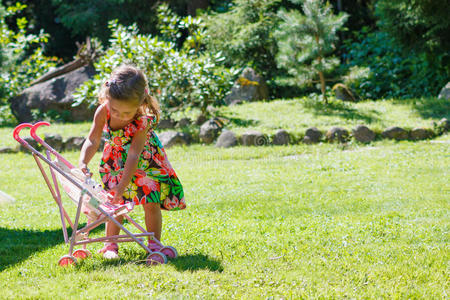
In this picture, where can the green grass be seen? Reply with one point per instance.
(285, 222)
(296, 115)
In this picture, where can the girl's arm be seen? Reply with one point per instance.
(136, 148)
(92, 141)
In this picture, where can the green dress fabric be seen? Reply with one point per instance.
(154, 180)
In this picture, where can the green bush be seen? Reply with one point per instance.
(177, 79)
(392, 73)
(21, 60)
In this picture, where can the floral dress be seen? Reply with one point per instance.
(154, 180)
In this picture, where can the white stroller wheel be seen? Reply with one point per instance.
(156, 258)
(169, 251)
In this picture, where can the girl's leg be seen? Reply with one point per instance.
(153, 218)
(113, 229)
(110, 250)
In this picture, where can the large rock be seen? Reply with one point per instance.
(172, 138)
(337, 134)
(184, 122)
(312, 135)
(32, 142)
(55, 141)
(166, 124)
(445, 92)
(421, 134)
(248, 87)
(227, 139)
(54, 94)
(210, 130)
(254, 138)
(8, 150)
(344, 93)
(281, 137)
(443, 125)
(395, 133)
(73, 143)
(363, 134)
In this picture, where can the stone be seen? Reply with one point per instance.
(395, 133)
(8, 150)
(32, 142)
(54, 140)
(54, 95)
(363, 134)
(184, 122)
(254, 138)
(171, 138)
(445, 92)
(337, 134)
(248, 87)
(444, 124)
(312, 135)
(73, 143)
(166, 124)
(342, 92)
(200, 120)
(281, 137)
(420, 134)
(210, 130)
(227, 139)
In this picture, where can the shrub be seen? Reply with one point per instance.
(21, 60)
(178, 80)
(392, 73)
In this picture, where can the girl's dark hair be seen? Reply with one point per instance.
(129, 84)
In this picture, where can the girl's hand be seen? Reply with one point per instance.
(116, 196)
(85, 170)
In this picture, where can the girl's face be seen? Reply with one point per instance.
(124, 111)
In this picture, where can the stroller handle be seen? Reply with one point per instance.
(17, 130)
(47, 146)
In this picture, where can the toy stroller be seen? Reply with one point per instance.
(90, 199)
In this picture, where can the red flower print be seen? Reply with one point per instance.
(147, 154)
(118, 141)
(107, 152)
(148, 185)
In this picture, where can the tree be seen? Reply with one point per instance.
(306, 40)
(419, 25)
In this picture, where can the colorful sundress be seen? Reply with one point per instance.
(154, 180)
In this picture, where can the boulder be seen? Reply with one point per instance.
(184, 122)
(54, 94)
(312, 135)
(421, 134)
(55, 141)
(166, 124)
(172, 138)
(445, 92)
(337, 134)
(200, 120)
(227, 139)
(254, 138)
(281, 137)
(210, 130)
(8, 150)
(363, 134)
(248, 87)
(444, 124)
(32, 142)
(73, 143)
(395, 133)
(342, 92)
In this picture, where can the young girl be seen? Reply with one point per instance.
(134, 166)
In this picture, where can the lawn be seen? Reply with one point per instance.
(292, 222)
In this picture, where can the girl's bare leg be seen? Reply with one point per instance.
(153, 218)
(113, 229)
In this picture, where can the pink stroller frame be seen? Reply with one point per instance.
(90, 199)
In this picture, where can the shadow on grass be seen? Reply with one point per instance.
(340, 109)
(194, 262)
(18, 244)
(241, 122)
(430, 107)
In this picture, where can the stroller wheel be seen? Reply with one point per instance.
(169, 251)
(67, 260)
(81, 253)
(156, 258)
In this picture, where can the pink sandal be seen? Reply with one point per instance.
(110, 251)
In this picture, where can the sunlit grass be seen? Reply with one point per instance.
(284, 222)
